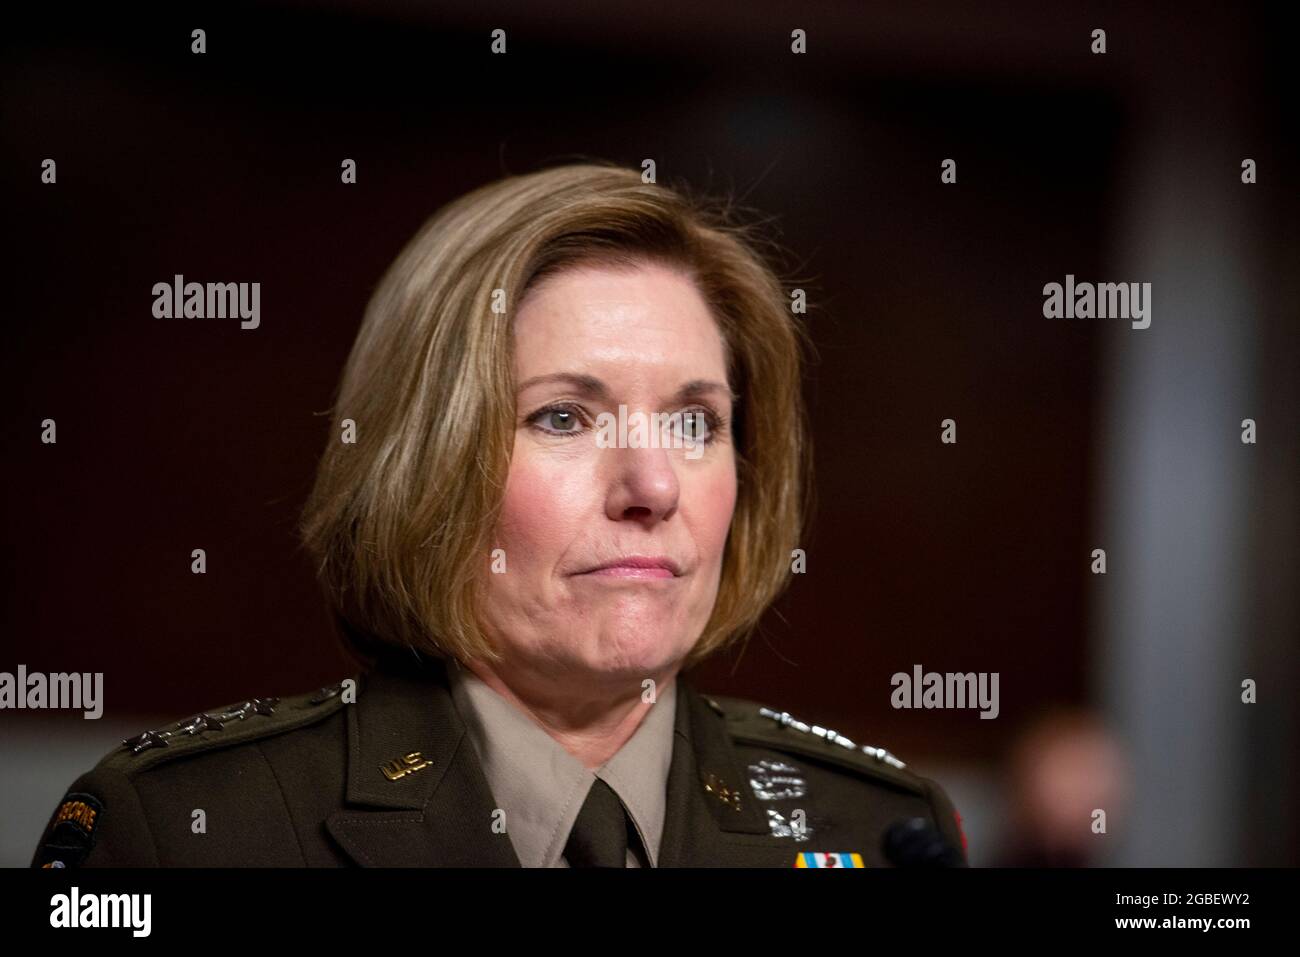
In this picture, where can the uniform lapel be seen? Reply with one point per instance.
(439, 812)
(433, 808)
(713, 818)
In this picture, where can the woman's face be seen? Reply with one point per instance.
(612, 554)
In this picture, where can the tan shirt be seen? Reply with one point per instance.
(541, 787)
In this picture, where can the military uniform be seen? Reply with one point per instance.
(383, 770)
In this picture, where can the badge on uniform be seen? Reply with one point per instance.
(829, 859)
(778, 781)
(71, 832)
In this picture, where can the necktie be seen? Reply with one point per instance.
(599, 835)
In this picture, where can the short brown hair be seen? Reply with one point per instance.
(400, 521)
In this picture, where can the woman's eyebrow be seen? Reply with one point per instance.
(591, 386)
(702, 387)
(585, 384)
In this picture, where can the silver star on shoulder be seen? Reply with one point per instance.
(147, 740)
(199, 724)
(786, 720)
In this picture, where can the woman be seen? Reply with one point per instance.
(566, 463)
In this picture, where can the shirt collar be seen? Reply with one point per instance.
(541, 787)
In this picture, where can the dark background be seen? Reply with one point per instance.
(926, 304)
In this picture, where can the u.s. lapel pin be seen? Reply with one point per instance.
(399, 768)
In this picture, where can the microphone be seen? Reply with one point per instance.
(915, 842)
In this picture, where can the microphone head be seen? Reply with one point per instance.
(915, 842)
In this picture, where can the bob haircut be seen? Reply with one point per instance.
(401, 517)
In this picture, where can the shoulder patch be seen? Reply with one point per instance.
(71, 832)
(753, 723)
(247, 720)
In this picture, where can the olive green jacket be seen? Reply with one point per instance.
(379, 771)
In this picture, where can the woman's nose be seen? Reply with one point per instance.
(643, 485)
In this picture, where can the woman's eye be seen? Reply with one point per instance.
(697, 426)
(694, 425)
(561, 420)
(557, 420)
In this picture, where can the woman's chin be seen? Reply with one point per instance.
(633, 654)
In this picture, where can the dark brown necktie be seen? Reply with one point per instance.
(599, 836)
